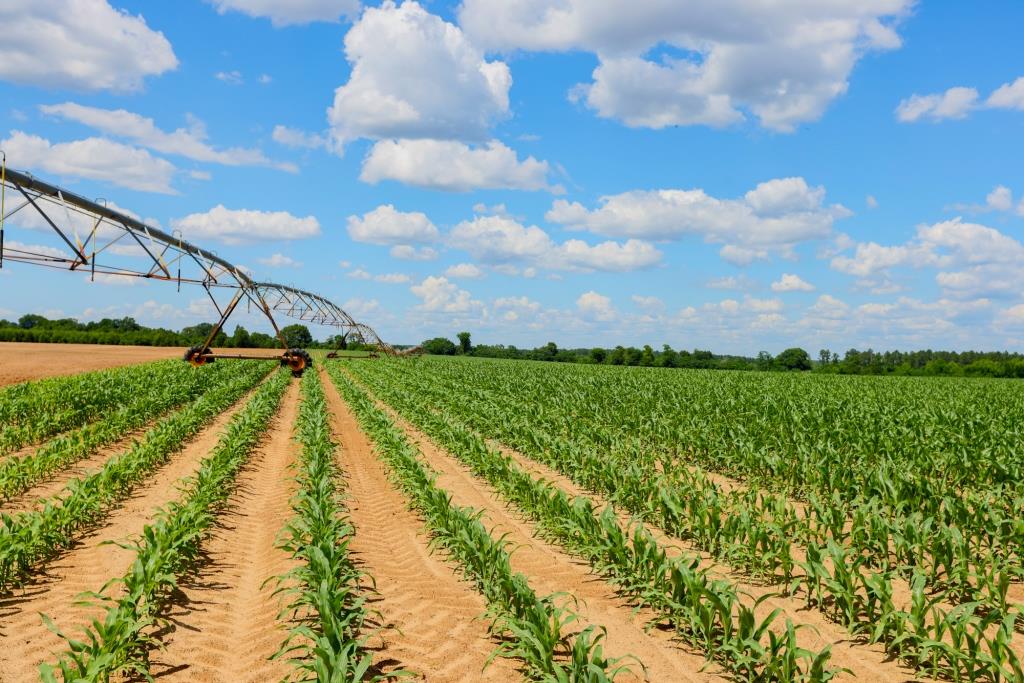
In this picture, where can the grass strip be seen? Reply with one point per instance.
(120, 642)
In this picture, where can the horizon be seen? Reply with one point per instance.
(843, 180)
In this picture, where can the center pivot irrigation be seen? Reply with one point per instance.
(103, 241)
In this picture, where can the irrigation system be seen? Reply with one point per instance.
(101, 240)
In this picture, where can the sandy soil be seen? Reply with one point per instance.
(550, 570)
(25, 641)
(20, 361)
(225, 618)
(430, 617)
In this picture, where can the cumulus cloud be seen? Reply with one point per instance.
(781, 63)
(973, 259)
(955, 103)
(295, 138)
(648, 303)
(454, 166)
(190, 142)
(80, 44)
(437, 294)
(291, 12)
(958, 102)
(280, 261)
(92, 158)
(386, 225)
(790, 282)
(503, 240)
(595, 306)
(1008, 96)
(415, 75)
(466, 271)
(407, 252)
(242, 226)
(775, 215)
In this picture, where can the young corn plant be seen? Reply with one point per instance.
(119, 642)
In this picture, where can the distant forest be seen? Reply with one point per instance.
(126, 331)
(853, 362)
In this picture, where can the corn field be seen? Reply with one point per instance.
(462, 519)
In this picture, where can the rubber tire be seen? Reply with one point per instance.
(196, 352)
(306, 361)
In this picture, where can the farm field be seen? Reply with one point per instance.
(25, 361)
(463, 520)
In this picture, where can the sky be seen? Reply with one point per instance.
(724, 174)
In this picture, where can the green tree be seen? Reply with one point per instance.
(647, 356)
(297, 336)
(794, 359)
(240, 339)
(465, 345)
(597, 354)
(764, 361)
(439, 346)
(617, 356)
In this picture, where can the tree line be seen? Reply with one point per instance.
(854, 362)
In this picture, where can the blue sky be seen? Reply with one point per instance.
(821, 174)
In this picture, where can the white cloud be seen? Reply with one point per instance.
(407, 252)
(782, 63)
(295, 138)
(79, 44)
(503, 240)
(827, 306)
(280, 261)
(775, 215)
(385, 225)
(730, 282)
(93, 158)
(230, 77)
(440, 295)
(265, 79)
(415, 75)
(242, 226)
(359, 274)
(1008, 96)
(790, 282)
(955, 103)
(648, 303)
(595, 306)
(454, 166)
(190, 142)
(1000, 199)
(871, 202)
(392, 278)
(466, 271)
(359, 308)
(292, 12)
(35, 249)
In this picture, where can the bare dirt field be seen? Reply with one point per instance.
(20, 361)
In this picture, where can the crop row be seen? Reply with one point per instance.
(326, 587)
(534, 629)
(31, 536)
(754, 531)
(166, 392)
(120, 641)
(32, 411)
(709, 613)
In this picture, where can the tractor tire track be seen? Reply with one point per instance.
(25, 641)
(430, 619)
(225, 625)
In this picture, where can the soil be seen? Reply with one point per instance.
(430, 620)
(21, 361)
(25, 641)
(225, 616)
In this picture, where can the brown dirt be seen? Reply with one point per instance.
(431, 619)
(21, 361)
(225, 619)
(868, 663)
(550, 570)
(25, 642)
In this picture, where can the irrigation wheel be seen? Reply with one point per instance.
(298, 360)
(197, 356)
